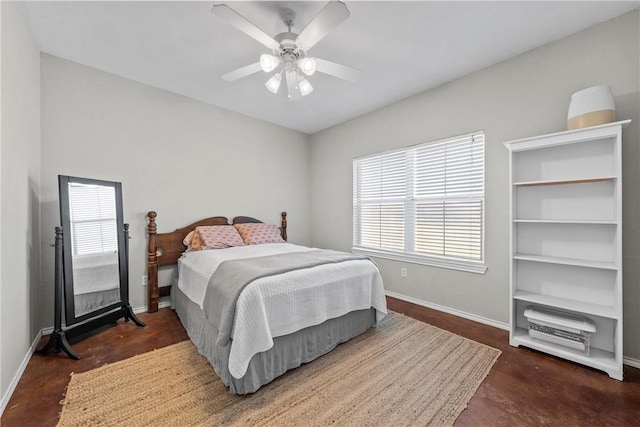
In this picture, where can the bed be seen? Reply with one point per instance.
(288, 304)
(96, 281)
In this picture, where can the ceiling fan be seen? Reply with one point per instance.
(289, 50)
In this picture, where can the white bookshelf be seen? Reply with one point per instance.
(566, 237)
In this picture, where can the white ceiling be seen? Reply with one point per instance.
(402, 47)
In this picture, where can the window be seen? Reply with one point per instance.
(423, 204)
(93, 219)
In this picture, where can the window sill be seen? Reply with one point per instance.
(468, 266)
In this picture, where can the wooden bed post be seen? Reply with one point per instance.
(152, 264)
(284, 225)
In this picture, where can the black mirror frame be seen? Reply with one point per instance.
(65, 216)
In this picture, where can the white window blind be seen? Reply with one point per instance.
(93, 219)
(423, 204)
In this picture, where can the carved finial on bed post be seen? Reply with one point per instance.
(152, 264)
(284, 225)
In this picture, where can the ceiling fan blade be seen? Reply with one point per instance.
(337, 70)
(292, 85)
(245, 71)
(241, 23)
(332, 15)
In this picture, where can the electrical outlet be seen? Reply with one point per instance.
(403, 272)
(144, 280)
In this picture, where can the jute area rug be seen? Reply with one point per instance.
(403, 372)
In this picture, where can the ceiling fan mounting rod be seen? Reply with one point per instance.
(288, 17)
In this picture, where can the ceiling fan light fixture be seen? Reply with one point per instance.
(268, 62)
(307, 65)
(305, 87)
(273, 84)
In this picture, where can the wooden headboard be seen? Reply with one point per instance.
(164, 249)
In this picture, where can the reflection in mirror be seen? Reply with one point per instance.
(94, 246)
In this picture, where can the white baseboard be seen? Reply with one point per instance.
(18, 375)
(32, 349)
(145, 308)
(449, 310)
(634, 363)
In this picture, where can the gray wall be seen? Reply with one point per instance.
(185, 159)
(19, 194)
(525, 96)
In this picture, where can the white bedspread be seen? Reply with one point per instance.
(95, 273)
(279, 305)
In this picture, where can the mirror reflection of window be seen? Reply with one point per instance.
(93, 219)
(94, 240)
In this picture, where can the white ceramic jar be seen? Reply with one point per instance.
(590, 107)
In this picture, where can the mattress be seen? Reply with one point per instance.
(196, 267)
(96, 272)
(96, 282)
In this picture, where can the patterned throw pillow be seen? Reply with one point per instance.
(258, 233)
(188, 238)
(215, 237)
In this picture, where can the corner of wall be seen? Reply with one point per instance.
(19, 195)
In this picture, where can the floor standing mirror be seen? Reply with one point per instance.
(92, 260)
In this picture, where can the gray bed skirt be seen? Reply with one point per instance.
(288, 352)
(86, 303)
